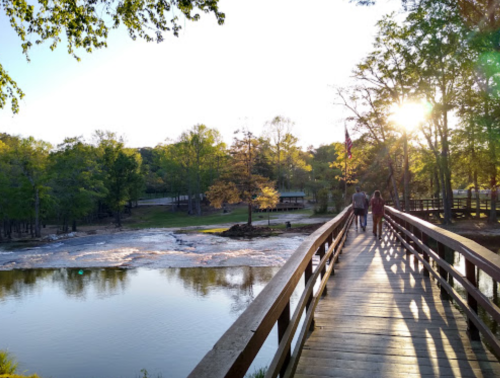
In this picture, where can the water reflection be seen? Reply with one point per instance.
(107, 282)
(74, 282)
(115, 322)
(239, 281)
(18, 282)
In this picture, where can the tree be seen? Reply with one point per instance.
(76, 180)
(370, 113)
(192, 163)
(240, 180)
(424, 57)
(278, 129)
(323, 173)
(203, 145)
(283, 152)
(121, 170)
(26, 159)
(87, 24)
(268, 199)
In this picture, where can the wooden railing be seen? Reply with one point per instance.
(428, 244)
(428, 204)
(233, 354)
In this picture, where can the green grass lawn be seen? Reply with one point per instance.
(161, 216)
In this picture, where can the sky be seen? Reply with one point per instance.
(270, 58)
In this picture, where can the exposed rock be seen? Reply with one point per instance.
(244, 230)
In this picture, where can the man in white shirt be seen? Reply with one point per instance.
(358, 204)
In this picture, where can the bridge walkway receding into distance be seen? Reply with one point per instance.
(382, 317)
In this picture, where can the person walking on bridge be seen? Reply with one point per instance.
(358, 204)
(378, 211)
(367, 205)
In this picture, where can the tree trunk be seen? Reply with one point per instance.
(190, 195)
(406, 177)
(444, 194)
(118, 218)
(394, 186)
(437, 188)
(478, 200)
(446, 175)
(73, 227)
(37, 213)
(198, 191)
(469, 200)
(249, 214)
(493, 201)
(492, 218)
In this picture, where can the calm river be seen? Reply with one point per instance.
(107, 307)
(110, 323)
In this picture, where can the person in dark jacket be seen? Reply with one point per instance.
(378, 210)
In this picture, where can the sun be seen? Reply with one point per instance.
(409, 114)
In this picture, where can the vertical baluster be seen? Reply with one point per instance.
(330, 239)
(283, 323)
(405, 236)
(321, 254)
(415, 246)
(400, 222)
(425, 240)
(335, 236)
(308, 272)
(400, 232)
(442, 272)
(470, 273)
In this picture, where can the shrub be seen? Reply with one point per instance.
(259, 373)
(7, 363)
(322, 204)
(338, 200)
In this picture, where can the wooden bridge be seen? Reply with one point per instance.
(372, 308)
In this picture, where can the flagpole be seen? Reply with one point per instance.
(345, 175)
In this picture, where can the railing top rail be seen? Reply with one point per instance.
(483, 258)
(235, 350)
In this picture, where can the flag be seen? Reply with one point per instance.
(348, 144)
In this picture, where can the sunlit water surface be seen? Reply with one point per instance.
(151, 249)
(109, 306)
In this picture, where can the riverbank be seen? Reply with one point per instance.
(472, 228)
(478, 230)
(158, 217)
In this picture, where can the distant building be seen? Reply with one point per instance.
(289, 197)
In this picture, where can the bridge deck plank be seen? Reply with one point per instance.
(382, 318)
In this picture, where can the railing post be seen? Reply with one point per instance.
(321, 254)
(337, 230)
(425, 241)
(470, 273)
(330, 239)
(308, 272)
(283, 323)
(405, 237)
(415, 246)
(335, 235)
(443, 273)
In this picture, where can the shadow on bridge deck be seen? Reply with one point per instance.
(381, 318)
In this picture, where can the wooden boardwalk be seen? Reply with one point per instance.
(381, 318)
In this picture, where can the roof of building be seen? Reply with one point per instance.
(292, 194)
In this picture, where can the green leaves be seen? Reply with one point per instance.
(9, 91)
(86, 25)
